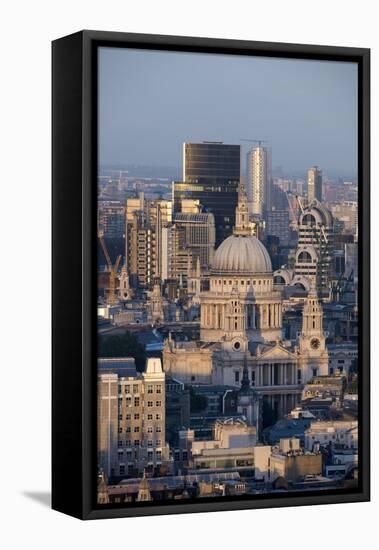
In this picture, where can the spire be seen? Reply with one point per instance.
(242, 226)
(144, 489)
(102, 488)
(245, 383)
(312, 313)
(312, 293)
(198, 269)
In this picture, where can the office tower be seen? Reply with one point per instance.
(182, 257)
(211, 173)
(111, 225)
(315, 246)
(278, 222)
(314, 184)
(159, 214)
(259, 180)
(279, 198)
(111, 219)
(131, 421)
(133, 206)
(347, 212)
(197, 233)
(145, 246)
(166, 253)
(142, 251)
(190, 206)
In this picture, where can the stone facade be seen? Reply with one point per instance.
(241, 324)
(131, 421)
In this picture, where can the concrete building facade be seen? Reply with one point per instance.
(131, 421)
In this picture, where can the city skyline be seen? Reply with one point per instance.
(312, 120)
(227, 305)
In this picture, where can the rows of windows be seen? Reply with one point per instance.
(136, 443)
(242, 282)
(150, 416)
(136, 389)
(137, 402)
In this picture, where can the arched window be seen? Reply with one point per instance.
(308, 219)
(304, 257)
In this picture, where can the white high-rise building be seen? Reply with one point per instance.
(259, 180)
(314, 184)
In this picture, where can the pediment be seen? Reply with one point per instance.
(276, 352)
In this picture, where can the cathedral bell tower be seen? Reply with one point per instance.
(312, 339)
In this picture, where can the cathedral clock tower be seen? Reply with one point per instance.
(312, 349)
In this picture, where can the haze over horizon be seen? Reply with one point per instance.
(150, 102)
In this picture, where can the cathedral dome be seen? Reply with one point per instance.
(243, 254)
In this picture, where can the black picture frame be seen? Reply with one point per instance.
(74, 137)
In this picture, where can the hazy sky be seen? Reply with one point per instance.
(150, 102)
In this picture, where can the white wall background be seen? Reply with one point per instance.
(26, 31)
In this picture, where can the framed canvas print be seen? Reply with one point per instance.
(210, 275)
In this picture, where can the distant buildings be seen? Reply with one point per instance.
(291, 462)
(314, 184)
(232, 446)
(111, 219)
(196, 232)
(241, 327)
(347, 212)
(322, 434)
(257, 337)
(111, 226)
(278, 224)
(145, 242)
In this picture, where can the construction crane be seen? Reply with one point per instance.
(300, 204)
(294, 214)
(112, 270)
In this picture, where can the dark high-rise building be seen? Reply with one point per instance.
(211, 174)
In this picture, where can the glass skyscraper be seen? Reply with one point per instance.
(211, 174)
